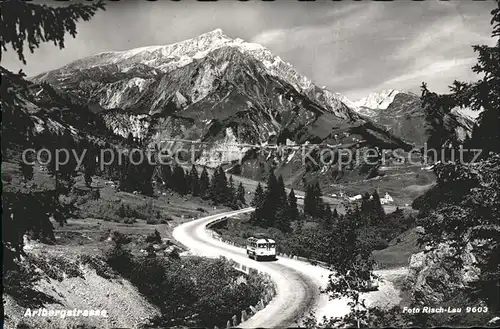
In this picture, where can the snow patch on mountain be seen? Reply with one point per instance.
(205, 79)
(378, 101)
(137, 82)
(371, 105)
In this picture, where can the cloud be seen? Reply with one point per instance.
(351, 18)
(431, 70)
(269, 37)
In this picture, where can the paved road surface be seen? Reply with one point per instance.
(298, 283)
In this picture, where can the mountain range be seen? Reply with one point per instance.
(226, 92)
(402, 114)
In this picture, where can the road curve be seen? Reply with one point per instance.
(297, 283)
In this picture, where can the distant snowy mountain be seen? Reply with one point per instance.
(403, 115)
(378, 101)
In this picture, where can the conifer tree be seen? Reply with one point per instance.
(313, 203)
(204, 183)
(219, 191)
(194, 181)
(136, 174)
(212, 188)
(166, 175)
(179, 180)
(366, 204)
(282, 208)
(293, 210)
(240, 194)
(231, 194)
(89, 162)
(258, 198)
(327, 218)
(378, 210)
(308, 201)
(270, 205)
(26, 168)
(222, 187)
(187, 179)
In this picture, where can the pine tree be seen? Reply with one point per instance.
(318, 201)
(222, 187)
(240, 194)
(204, 183)
(187, 179)
(89, 162)
(308, 201)
(282, 208)
(293, 210)
(313, 203)
(63, 169)
(166, 175)
(136, 175)
(125, 183)
(378, 210)
(259, 201)
(194, 181)
(366, 204)
(327, 218)
(26, 168)
(259, 197)
(212, 188)
(25, 162)
(146, 177)
(219, 191)
(269, 206)
(231, 194)
(179, 180)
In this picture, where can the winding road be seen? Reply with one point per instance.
(298, 283)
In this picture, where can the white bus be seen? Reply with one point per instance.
(260, 248)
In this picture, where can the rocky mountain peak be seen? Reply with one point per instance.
(378, 100)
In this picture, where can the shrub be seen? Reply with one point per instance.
(121, 260)
(56, 267)
(130, 221)
(6, 177)
(152, 221)
(194, 292)
(175, 254)
(95, 194)
(99, 265)
(120, 238)
(154, 237)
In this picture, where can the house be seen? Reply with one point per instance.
(355, 198)
(386, 199)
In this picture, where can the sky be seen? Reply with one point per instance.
(353, 48)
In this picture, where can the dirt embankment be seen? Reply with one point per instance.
(69, 282)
